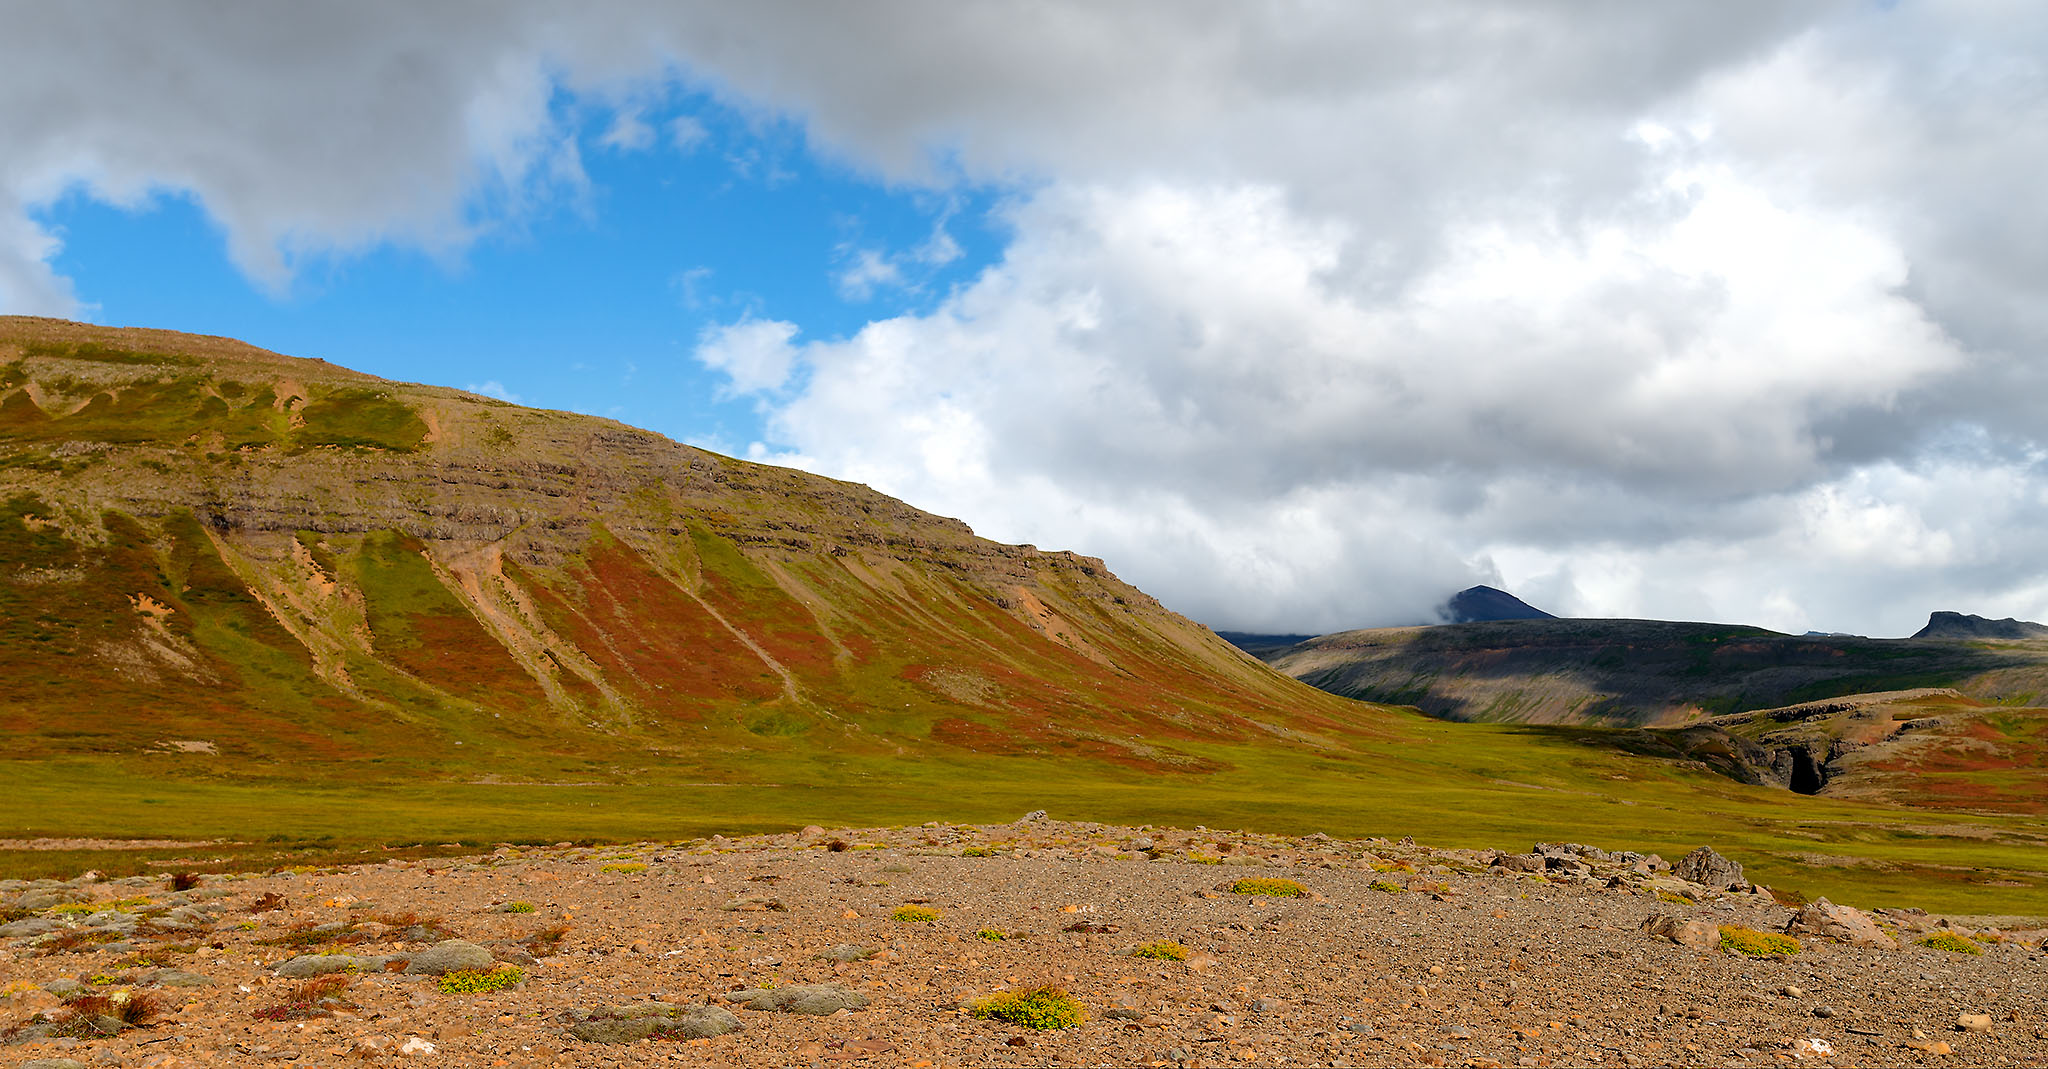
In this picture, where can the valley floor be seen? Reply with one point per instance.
(1398, 955)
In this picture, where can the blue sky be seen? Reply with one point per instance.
(1302, 316)
(591, 299)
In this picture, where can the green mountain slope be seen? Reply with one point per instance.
(206, 543)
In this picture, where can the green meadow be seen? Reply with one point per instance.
(1444, 784)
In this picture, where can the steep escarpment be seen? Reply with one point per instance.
(205, 542)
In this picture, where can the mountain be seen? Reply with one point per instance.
(1483, 603)
(208, 547)
(1964, 626)
(1260, 644)
(1640, 672)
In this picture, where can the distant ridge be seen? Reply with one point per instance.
(1480, 604)
(1964, 625)
(1259, 644)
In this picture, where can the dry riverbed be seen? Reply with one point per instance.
(1395, 954)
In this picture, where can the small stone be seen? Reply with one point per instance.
(415, 1045)
(1974, 1022)
(846, 952)
(306, 965)
(1033, 816)
(1824, 1011)
(1792, 992)
(1929, 1046)
(1812, 1048)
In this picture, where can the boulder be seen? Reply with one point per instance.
(1700, 935)
(1520, 862)
(306, 965)
(638, 1020)
(1842, 924)
(1709, 869)
(819, 1000)
(450, 955)
(28, 926)
(176, 978)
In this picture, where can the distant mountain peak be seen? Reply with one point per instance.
(1964, 625)
(1480, 603)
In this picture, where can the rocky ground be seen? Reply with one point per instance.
(1394, 954)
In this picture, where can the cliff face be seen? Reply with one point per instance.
(202, 541)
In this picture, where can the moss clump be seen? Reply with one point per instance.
(518, 907)
(1164, 950)
(976, 851)
(1269, 887)
(1205, 859)
(1673, 898)
(1755, 944)
(915, 914)
(628, 867)
(1038, 1007)
(479, 981)
(1953, 943)
(993, 935)
(1387, 887)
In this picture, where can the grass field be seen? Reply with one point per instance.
(1445, 784)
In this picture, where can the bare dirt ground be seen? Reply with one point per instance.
(1398, 955)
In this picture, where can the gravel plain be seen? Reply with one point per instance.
(1397, 954)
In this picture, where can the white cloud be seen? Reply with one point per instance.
(1309, 313)
(493, 388)
(754, 354)
(686, 133)
(629, 132)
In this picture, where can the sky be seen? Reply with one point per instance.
(1302, 316)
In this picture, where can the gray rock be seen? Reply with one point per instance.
(186, 919)
(112, 918)
(450, 955)
(819, 1000)
(846, 952)
(1520, 862)
(1709, 869)
(639, 1020)
(64, 987)
(1700, 935)
(1842, 924)
(53, 1063)
(46, 899)
(176, 978)
(1033, 816)
(28, 926)
(323, 964)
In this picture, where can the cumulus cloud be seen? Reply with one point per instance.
(1310, 313)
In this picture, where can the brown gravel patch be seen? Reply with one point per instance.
(1458, 967)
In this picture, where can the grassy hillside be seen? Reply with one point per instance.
(267, 600)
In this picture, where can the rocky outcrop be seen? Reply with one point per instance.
(1842, 924)
(1708, 868)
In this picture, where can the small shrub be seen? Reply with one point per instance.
(480, 981)
(1387, 887)
(162, 957)
(1205, 859)
(1953, 943)
(184, 881)
(1039, 1007)
(317, 997)
(630, 868)
(1755, 944)
(1674, 898)
(78, 939)
(976, 851)
(127, 1007)
(837, 846)
(915, 914)
(1269, 887)
(993, 935)
(1164, 950)
(519, 907)
(544, 942)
